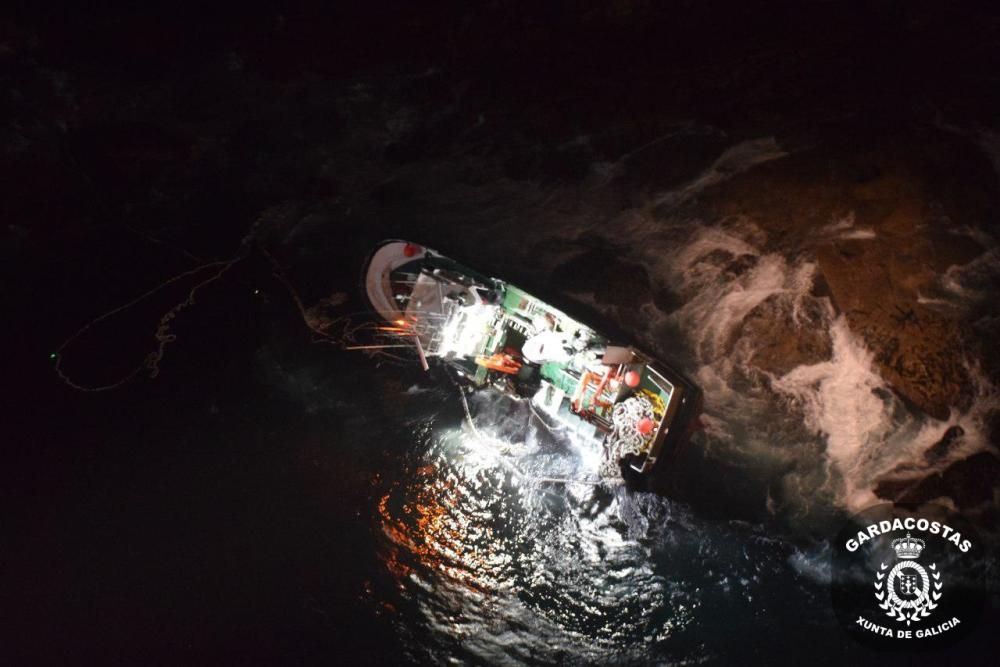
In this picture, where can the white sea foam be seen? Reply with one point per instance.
(860, 431)
(813, 563)
(859, 234)
(838, 399)
(844, 229)
(717, 299)
(975, 280)
(868, 435)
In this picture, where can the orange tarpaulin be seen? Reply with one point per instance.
(500, 362)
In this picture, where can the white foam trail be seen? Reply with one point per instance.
(963, 286)
(858, 234)
(976, 280)
(935, 303)
(864, 432)
(813, 563)
(844, 229)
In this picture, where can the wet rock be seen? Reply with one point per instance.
(969, 482)
(787, 336)
(884, 217)
(883, 394)
(917, 350)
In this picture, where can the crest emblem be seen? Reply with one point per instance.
(908, 593)
(907, 556)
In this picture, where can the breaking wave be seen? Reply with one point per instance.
(834, 422)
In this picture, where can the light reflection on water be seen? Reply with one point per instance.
(482, 559)
(488, 563)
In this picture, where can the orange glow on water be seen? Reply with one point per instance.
(432, 531)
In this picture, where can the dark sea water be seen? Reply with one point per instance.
(268, 499)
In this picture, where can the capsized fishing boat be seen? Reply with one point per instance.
(632, 408)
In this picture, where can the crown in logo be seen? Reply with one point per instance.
(908, 547)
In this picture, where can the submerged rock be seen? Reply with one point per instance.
(942, 447)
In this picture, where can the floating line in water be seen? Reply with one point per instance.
(562, 480)
(162, 334)
(348, 337)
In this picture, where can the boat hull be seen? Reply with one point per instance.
(494, 333)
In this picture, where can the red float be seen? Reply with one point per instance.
(632, 379)
(644, 425)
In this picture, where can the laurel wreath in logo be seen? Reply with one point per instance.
(908, 611)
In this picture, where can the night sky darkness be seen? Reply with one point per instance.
(251, 503)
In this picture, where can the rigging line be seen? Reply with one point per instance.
(531, 404)
(162, 334)
(279, 273)
(164, 337)
(561, 428)
(168, 244)
(347, 339)
(564, 480)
